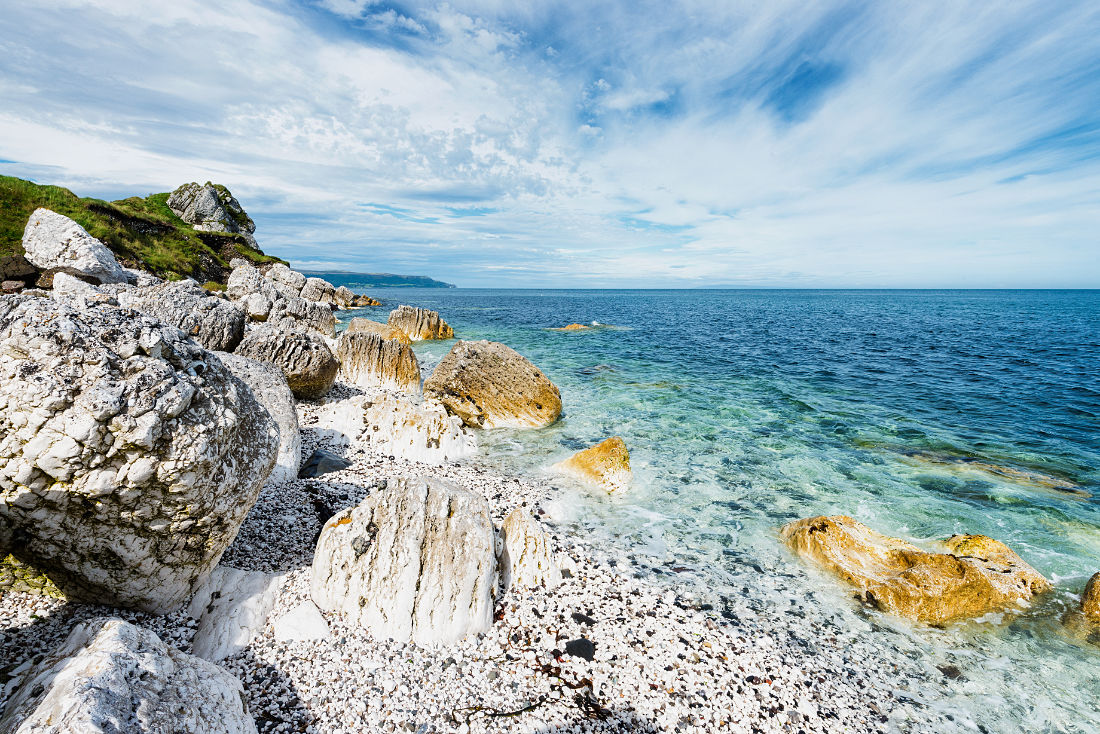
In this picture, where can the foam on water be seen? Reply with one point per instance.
(922, 414)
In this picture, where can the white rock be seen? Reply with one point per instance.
(526, 560)
(368, 360)
(112, 677)
(55, 242)
(230, 607)
(425, 432)
(303, 622)
(415, 561)
(270, 387)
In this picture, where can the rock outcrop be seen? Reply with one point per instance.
(605, 465)
(318, 290)
(343, 297)
(424, 432)
(368, 360)
(230, 607)
(270, 387)
(526, 560)
(273, 299)
(213, 322)
(1090, 599)
(111, 676)
(361, 325)
(415, 561)
(211, 208)
(973, 575)
(55, 243)
(286, 281)
(489, 385)
(304, 358)
(129, 455)
(420, 323)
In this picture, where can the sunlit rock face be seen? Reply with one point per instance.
(420, 323)
(368, 360)
(605, 465)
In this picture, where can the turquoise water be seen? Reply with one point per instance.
(920, 413)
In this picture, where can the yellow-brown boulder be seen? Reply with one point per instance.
(1090, 600)
(974, 575)
(361, 325)
(605, 465)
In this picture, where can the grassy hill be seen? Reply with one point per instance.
(142, 232)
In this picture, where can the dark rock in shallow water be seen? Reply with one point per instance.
(581, 648)
(322, 462)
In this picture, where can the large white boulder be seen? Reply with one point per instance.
(426, 432)
(52, 241)
(270, 387)
(129, 455)
(112, 677)
(415, 561)
(526, 558)
(213, 322)
(211, 208)
(285, 280)
(304, 357)
(368, 360)
(230, 607)
(274, 299)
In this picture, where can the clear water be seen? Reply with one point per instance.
(920, 413)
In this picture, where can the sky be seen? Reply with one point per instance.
(589, 144)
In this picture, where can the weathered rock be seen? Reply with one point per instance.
(322, 462)
(12, 286)
(230, 607)
(526, 561)
(343, 297)
(302, 623)
(74, 292)
(361, 325)
(210, 208)
(415, 561)
(420, 323)
(318, 290)
(975, 575)
(274, 300)
(18, 576)
(246, 279)
(297, 313)
(1090, 599)
(111, 677)
(364, 301)
(368, 360)
(140, 278)
(285, 280)
(489, 385)
(574, 327)
(129, 455)
(16, 267)
(270, 387)
(424, 433)
(55, 242)
(605, 465)
(305, 359)
(211, 321)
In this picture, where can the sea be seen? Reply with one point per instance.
(921, 413)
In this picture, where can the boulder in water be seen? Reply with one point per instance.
(304, 358)
(420, 323)
(55, 243)
(1090, 599)
(605, 465)
(368, 360)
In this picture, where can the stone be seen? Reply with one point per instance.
(368, 360)
(415, 561)
(361, 325)
(18, 576)
(291, 312)
(286, 280)
(318, 290)
(425, 433)
(304, 358)
(230, 607)
(55, 242)
(273, 299)
(420, 323)
(214, 323)
(605, 465)
(322, 462)
(489, 385)
(526, 561)
(16, 267)
(12, 286)
(270, 387)
(211, 208)
(246, 279)
(1090, 599)
(303, 623)
(581, 648)
(364, 301)
(343, 297)
(79, 294)
(110, 676)
(574, 327)
(129, 455)
(972, 576)
(140, 278)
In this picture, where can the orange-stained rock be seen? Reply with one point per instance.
(574, 327)
(606, 465)
(975, 575)
(420, 323)
(1090, 600)
(385, 331)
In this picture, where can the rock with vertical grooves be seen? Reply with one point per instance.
(129, 455)
(368, 360)
(415, 561)
(304, 358)
(605, 465)
(270, 387)
(230, 608)
(420, 323)
(489, 385)
(110, 676)
(426, 432)
(385, 331)
(526, 561)
(213, 322)
(55, 243)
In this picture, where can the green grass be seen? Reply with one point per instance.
(142, 232)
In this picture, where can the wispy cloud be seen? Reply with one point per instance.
(697, 143)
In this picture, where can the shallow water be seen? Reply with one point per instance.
(920, 413)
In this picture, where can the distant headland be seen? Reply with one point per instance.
(377, 280)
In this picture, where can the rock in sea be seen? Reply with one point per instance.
(605, 465)
(54, 242)
(415, 561)
(129, 455)
(1090, 599)
(420, 323)
(304, 357)
(111, 677)
(972, 576)
(489, 385)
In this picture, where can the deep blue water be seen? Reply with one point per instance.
(921, 413)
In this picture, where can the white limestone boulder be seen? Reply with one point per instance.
(423, 432)
(213, 322)
(414, 561)
(318, 290)
(111, 677)
(230, 607)
(304, 357)
(420, 323)
(286, 281)
(54, 242)
(368, 360)
(270, 387)
(526, 558)
(301, 624)
(129, 455)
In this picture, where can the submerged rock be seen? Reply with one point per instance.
(415, 561)
(55, 243)
(1090, 599)
(425, 432)
(974, 576)
(129, 455)
(605, 465)
(361, 325)
(368, 360)
(306, 361)
(420, 323)
(270, 387)
(213, 322)
(489, 385)
(526, 561)
(111, 676)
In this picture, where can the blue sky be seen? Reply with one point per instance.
(590, 144)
